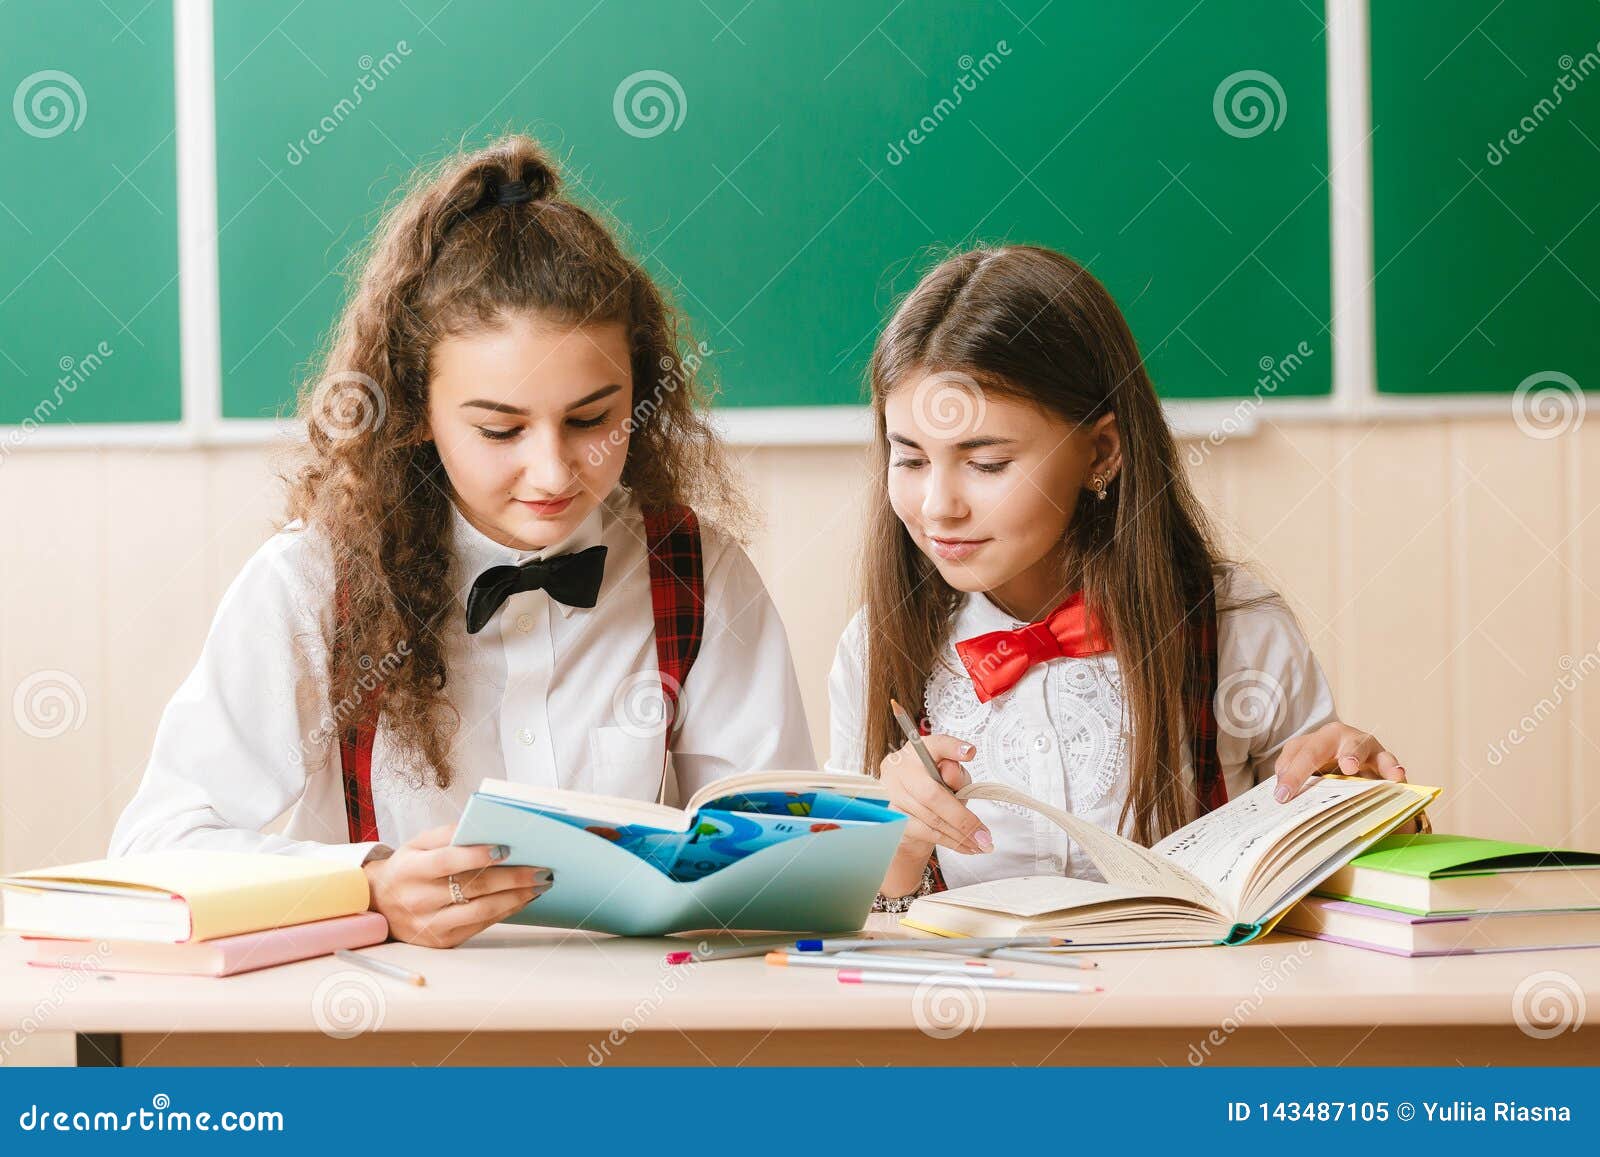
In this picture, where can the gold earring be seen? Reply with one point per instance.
(1099, 483)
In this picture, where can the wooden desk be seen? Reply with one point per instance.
(532, 996)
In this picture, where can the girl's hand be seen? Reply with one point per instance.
(412, 889)
(936, 816)
(1334, 747)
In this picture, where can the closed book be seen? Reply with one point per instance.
(1456, 934)
(177, 896)
(226, 956)
(1435, 873)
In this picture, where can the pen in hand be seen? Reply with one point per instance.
(981, 837)
(917, 745)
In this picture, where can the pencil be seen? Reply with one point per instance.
(897, 965)
(728, 952)
(971, 944)
(1012, 983)
(373, 964)
(917, 745)
(1060, 960)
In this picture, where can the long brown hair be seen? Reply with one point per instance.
(1031, 324)
(456, 255)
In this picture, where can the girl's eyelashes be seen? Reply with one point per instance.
(505, 434)
(981, 467)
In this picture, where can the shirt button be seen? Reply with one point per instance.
(1041, 742)
(524, 623)
(526, 737)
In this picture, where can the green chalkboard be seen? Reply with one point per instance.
(816, 156)
(88, 214)
(1486, 173)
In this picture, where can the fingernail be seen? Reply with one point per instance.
(1401, 770)
(1281, 792)
(501, 852)
(983, 839)
(543, 875)
(967, 749)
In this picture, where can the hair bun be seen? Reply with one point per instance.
(513, 193)
(537, 176)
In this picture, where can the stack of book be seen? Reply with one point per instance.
(190, 912)
(1445, 895)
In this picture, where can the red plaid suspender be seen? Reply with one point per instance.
(1211, 790)
(677, 601)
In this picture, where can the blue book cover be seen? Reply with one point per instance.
(758, 858)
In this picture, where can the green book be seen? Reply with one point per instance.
(1433, 874)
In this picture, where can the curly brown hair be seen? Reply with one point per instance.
(454, 256)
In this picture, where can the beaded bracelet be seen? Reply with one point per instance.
(884, 903)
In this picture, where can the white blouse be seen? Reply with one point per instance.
(547, 694)
(1061, 734)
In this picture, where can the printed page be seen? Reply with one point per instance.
(1121, 862)
(1223, 847)
(1033, 896)
(797, 781)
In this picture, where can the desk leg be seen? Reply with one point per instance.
(99, 1050)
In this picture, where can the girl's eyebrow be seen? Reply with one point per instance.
(518, 411)
(602, 392)
(968, 444)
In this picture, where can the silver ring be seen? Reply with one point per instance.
(457, 896)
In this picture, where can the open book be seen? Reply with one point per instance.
(1224, 879)
(722, 823)
(790, 850)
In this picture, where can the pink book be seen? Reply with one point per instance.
(1451, 934)
(221, 957)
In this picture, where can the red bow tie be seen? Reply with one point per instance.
(998, 659)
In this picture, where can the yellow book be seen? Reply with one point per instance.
(179, 896)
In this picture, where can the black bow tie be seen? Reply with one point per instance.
(573, 579)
